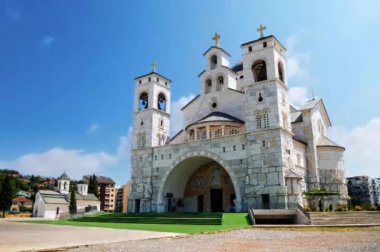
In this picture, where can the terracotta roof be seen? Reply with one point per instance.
(100, 179)
(21, 199)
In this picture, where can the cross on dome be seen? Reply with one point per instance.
(216, 38)
(261, 29)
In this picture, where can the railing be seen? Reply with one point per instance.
(252, 216)
(276, 206)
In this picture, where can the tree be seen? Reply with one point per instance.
(73, 201)
(7, 191)
(93, 185)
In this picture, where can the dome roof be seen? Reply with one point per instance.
(325, 142)
(64, 176)
(217, 117)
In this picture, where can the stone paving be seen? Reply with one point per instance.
(16, 236)
(254, 239)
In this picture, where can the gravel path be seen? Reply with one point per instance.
(362, 239)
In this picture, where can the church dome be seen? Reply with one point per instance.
(64, 176)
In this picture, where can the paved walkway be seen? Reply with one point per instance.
(15, 236)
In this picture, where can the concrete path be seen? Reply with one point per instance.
(15, 236)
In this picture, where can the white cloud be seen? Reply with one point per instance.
(57, 160)
(362, 145)
(297, 62)
(176, 113)
(47, 41)
(297, 96)
(93, 128)
(125, 144)
(75, 162)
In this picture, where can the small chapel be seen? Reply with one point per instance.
(242, 145)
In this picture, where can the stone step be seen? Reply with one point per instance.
(331, 218)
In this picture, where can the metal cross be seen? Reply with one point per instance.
(216, 39)
(153, 65)
(261, 29)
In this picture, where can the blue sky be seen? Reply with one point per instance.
(67, 69)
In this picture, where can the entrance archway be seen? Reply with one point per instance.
(199, 184)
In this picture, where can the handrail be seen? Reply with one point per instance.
(303, 211)
(252, 216)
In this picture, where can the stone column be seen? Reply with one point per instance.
(195, 134)
(207, 132)
(223, 129)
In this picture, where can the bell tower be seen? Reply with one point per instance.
(265, 83)
(151, 125)
(267, 114)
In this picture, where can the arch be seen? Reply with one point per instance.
(161, 102)
(197, 159)
(208, 86)
(213, 61)
(220, 83)
(143, 101)
(259, 70)
(280, 69)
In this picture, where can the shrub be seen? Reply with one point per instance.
(341, 207)
(358, 208)
(307, 209)
(330, 207)
(371, 208)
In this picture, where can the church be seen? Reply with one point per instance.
(242, 146)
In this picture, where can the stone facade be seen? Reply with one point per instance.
(243, 124)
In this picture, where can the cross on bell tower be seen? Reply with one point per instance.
(153, 65)
(261, 29)
(216, 38)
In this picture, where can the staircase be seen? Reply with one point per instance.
(345, 218)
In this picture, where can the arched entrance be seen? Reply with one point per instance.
(199, 184)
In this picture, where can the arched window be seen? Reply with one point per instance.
(139, 143)
(208, 86)
(143, 101)
(259, 69)
(220, 83)
(213, 61)
(64, 185)
(218, 133)
(161, 102)
(234, 132)
(280, 71)
(266, 119)
(258, 121)
(204, 135)
(143, 140)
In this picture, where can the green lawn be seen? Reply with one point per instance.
(228, 221)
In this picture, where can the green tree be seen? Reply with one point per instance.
(7, 192)
(73, 201)
(93, 185)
